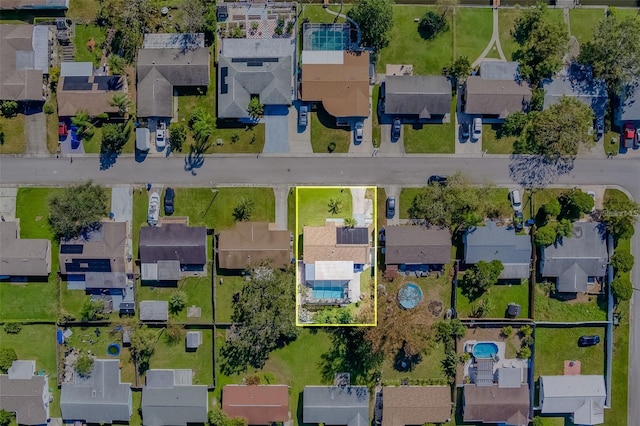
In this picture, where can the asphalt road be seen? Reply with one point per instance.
(345, 170)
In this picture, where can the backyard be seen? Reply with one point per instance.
(549, 308)
(583, 21)
(173, 355)
(473, 28)
(226, 287)
(15, 139)
(88, 43)
(500, 296)
(431, 138)
(326, 132)
(507, 19)
(555, 345)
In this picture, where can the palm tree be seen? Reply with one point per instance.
(122, 102)
(203, 128)
(81, 120)
(243, 210)
(255, 108)
(350, 222)
(335, 206)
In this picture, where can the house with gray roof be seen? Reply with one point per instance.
(576, 262)
(24, 393)
(169, 398)
(493, 242)
(336, 405)
(629, 108)
(22, 257)
(417, 247)
(165, 62)
(154, 310)
(417, 96)
(581, 396)
(495, 404)
(499, 70)
(34, 4)
(577, 84)
(100, 397)
(249, 67)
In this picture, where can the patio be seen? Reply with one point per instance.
(470, 369)
(257, 20)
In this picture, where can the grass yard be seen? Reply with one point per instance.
(41, 298)
(408, 47)
(84, 34)
(501, 295)
(548, 308)
(313, 207)
(53, 142)
(492, 143)
(428, 368)
(136, 402)
(231, 285)
(381, 208)
(506, 21)
(473, 28)
(324, 130)
(583, 21)
(316, 13)
(291, 210)
(172, 356)
(611, 143)
(620, 371)
(555, 345)
(72, 300)
(407, 195)
(539, 197)
(83, 10)
(431, 138)
(15, 137)
(376, 134)
(93, 143)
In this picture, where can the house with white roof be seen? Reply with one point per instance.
(583, 397)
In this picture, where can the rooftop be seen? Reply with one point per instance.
(92, 94)
(250, 243)
(407, 244)
(99, 250)
(336, 405)
(416, 405)
(24, 393)
(154, 310)
(259, 405)
(422, 95)
(496, 97)
(492, 404)
(18, 257)
(321, 244)
(24, 59)
(170, 399)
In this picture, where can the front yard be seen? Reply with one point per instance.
(431, 138)
(313, 205)
(15, 137)
(325, 133)
(494, 144)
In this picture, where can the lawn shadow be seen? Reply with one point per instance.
(327, 120)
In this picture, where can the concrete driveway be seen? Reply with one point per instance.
(36, 129)
(299, 138)
(276, 130)
(362, 207)
(8, 202)
(122, 203)
(393, 191)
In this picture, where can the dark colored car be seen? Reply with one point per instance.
(518, 221)
(588, 341)
(440, 180)
(395, 130)
(464, 131)
(391, 207)
(169, 197)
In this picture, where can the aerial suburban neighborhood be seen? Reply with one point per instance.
(362, 213)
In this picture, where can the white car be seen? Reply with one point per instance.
(593, 196)
(477, 128)
(161, 134)
(516, 201)
(153, 211)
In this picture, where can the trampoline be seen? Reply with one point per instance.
(113, 349)
(409, 296)
(326, 36)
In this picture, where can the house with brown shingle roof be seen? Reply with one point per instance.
(415, 405)
(495, 404)
(91, 94)
(250, 243)
(416, 247)
(330, 243)
(22, 257)
(259, 405)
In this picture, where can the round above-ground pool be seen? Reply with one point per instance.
(485, 350)
(113, 349)
(409, 296)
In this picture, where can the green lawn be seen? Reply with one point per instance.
(375, 123)
(611, 143)
(85, 33)
(407, 195)
(408, 47)
(496, 198)
(316, 13)
(620, 371)
(41, 299)
(555, 345)
(175, 356)
(429, 368)
(432, 138)
(324, 130)
(473, 31)
(540, 197)
(506, 21)
(313, 207)
(501, 295)
(382, 208)
(83, 10)
(494, 145)
(231, 285)
(93, 142)
(291, 210)
(15, 138)
(583, 21)
(548, 308)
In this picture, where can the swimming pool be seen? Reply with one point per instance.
(326, 36)
(327, 293)
(485, 350)
(409, 296)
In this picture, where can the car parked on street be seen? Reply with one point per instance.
(391, 207)
(516, 201)
(169, 197)
(358, 132)
(518, 221)
(395, 130)
(584, 341)
(437, 179)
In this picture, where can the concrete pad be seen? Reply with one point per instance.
(299, 139)
(122, 203)
(276, 130)
(8, 202)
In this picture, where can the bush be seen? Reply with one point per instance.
(331, 147)
(9, 109)
(84, 364)
(513, 125)
(622, 261)
(524, 353)
(432, 24)
(6, 417)
(12, 327)
(507, 331)
(173, 334)
(252, 380)
(621, 288)
(7, 356)
(177, 136)
(526, 330)
(48, 108)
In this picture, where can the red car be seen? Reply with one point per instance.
(62, 130)
(628, 135)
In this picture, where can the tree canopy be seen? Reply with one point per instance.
(574, 203)
(375, 19)
(621, 288)
(620, 216)
(7, 356)
(622, 261)
(460, 68)
(480, 277)
(114, 136)
(77, 209)
(143, 340)
(432, 24)
(545, 236)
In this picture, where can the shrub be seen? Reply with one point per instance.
(6, 417)
(84, 364)
(331, 147)
(524, 353)
(526, 330)
(48, 108)
(7, 356)
(253, 380)
(527, 340)
(12, 327)
(173, 334)
(9, 109)
(622, 261)
(621, 288)
(177, 301)
(507, 331)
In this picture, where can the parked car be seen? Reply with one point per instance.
(599, 127)
(477, 128)
(62, 130)
(161, 134)
(303, 114)
(628, 135)
(395, 130)
(153, 211)
(588, 341)
(391, 207)
(440, 180)
(516, 201)
(169, 197)
(518, 221)
(464, 131)
(358, 132)
(593, 196)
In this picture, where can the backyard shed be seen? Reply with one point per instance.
(154, 310)
(194, 340)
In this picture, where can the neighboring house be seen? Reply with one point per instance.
(492, 242)
(576, 262)
(259, 405)
(336, 405)
(167, 62)
(22, 257)
(415, 405)
(171, 251)
(497, 92)
(170, 399)
(24, 61)
(247, 68)
(577, 84)
(99, 398)
(154, 310)
(91, 94)
(34, 4)
(629, 108)
(417, 96)
(24, 393)
(250, 243)
(496, 404)
(583, 397)
(416, 248)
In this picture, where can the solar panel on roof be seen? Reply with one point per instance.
(108, 82)
(76, 83)
(224, 87)
(352, 235)
(71, 248)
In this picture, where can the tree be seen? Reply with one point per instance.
(574, 204)
(143, 341)
(564, 228)
(194, 16)
(173, 334)
(84, 364)
(375, 20)
(621, 288)
(255, 108)
(622, 261)
(432, 24)
(614, 51)
(7, 356)
(91, 309)
(12, 327)
(6, 417)
(480, 277)
(543, 43)
(545, 236)
(218, 418)
(482, 308)
(177, 136)
(524, 352)
(9, 109)
(447, 7)
(202, 123)
(177, 301)
(117, 64)
(335, 206)
(447, 332)
(82, 121)
(77, 209)
(526, 330)
(54, 76)
(620, 215)
(350, 222)
(333, 316)
(552, 208)
(514, 124)
(243, 211)
(449, 366)
(122, 102)
(460, 68)
(351, 351)
(114, 136)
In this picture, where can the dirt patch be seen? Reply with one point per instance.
(435, 307)
(38, 218)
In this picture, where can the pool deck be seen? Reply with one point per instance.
(500, 362)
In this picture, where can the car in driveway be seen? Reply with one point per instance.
(169, 197)
(63, 131)
(599, 127)
(585, 341)
(477, 128)
(391, 207)
(395, 130)
(593, 196)
(161, 134)
(516, 201)
(358, 132)
(628, 135)
(437, 179)
(303, 115)
(464, 131)
(518, 221)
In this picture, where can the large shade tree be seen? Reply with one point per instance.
(375, 19)
(78, 208)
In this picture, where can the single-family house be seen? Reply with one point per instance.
(492, 242)
(92, 94)
(576, 262)
(497, 92)
(577, 84)
(100, 397)
(25, 393)
(34, 5)
(629, 108)
(250, 243)
(167, 62)
(416, 248)
(581, 396)
(172, 250)
(22, 257)
(259, 405)
(336, 405)
(25, 54)
(423, 97)
(169, 398)
(249, 67)
(494, 404)
(415, 405)
(154, 310)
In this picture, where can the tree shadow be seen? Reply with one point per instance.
(537, 170)
(405, 363)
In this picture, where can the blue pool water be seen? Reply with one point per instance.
(329, 40)
(409, 296)
(327, 293)
(485, 350)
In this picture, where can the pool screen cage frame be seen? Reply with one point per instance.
(309, 29)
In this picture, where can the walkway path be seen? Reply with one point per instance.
(495, 39)
(281, 193)
(36, 130)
